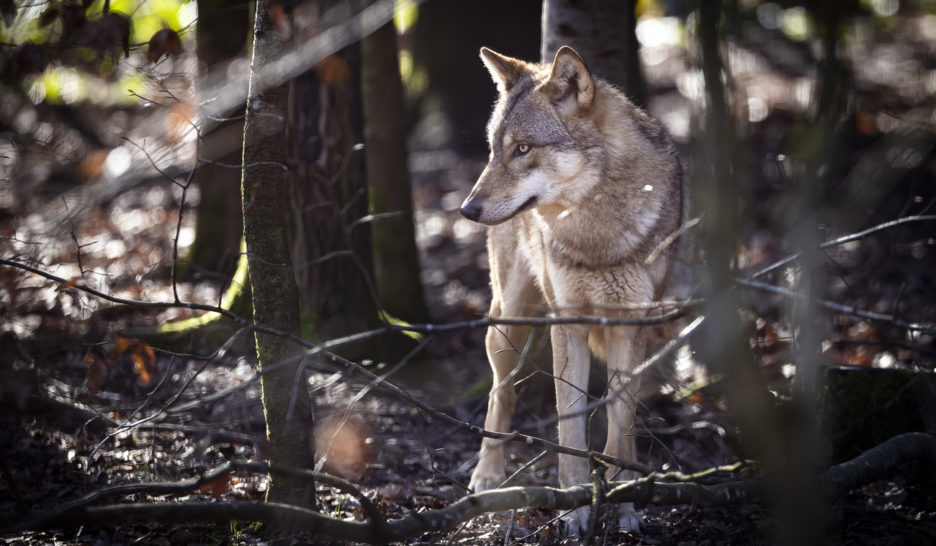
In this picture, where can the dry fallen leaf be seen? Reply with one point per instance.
(217, 488)
(97, 371)
(164, 42)
(333, 70)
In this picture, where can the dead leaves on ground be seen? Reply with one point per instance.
(128, 362)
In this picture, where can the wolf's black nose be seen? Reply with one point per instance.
(471, 211)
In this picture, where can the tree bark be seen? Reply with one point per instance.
(286, 402)
(219, 36)
(396, 258)
(603, 33)
(328, 193)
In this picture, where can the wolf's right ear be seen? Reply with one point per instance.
(570, 83)
(505, 70)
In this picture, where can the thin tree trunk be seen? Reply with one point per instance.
(396, 258)
(286, 402)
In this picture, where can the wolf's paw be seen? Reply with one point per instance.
(629, 520)
(484, 479)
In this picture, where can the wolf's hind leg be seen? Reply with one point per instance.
(626, 347)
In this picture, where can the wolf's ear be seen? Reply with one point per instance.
(570, 82)
(505, 70)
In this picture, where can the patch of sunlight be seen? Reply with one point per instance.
(115, 248)
(757, 109)
(151, 16)
(187, 14)
(417, 84)
(186, 237)
(131, 81)
(883, 8)
(117, 162)
(64, 85)
(648, 8)
(796, 23)
(415, 78)
(233, 290)
(405, 13)
(37, 91)
(659, 31)
(393, 321)
(406, 64)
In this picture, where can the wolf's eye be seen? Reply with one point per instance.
(521, 149)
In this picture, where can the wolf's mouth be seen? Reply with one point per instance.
(528, 204)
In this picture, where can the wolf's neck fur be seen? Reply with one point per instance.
(636, 172)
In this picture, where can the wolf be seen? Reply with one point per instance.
(581, 191)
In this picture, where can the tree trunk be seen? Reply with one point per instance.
(603, 33)
(219, 36)
(286, 402)
(328, 193)
(396, 258)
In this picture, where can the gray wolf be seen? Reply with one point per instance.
(582, 186)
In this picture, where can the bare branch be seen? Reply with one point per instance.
(846, 239)
(884, 459)
(924, 327)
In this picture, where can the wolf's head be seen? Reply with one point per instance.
(539, 135)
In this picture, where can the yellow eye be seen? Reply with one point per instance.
(522, 149)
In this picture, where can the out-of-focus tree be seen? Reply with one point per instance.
(451, 83)
(328, 190)
(396, 258)
(603, 33)
(220, 36)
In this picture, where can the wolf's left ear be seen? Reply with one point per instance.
(570, 80)
(505, 70)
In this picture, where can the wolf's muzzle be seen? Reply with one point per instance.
(471, 211)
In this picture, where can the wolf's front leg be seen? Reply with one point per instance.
(570, 368)
(503, 349)
(625, 350)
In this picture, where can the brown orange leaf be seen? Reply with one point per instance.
(179, 121)
(333, 70)
(120, 345)
(97, 371)
(92, 166)
(144, 362)
(218, 487)
(280, 21)
(164, 42)
(67, 285)
(864, 123)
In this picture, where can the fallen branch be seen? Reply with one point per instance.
(926, 328)
(846, 239)
(875, 463)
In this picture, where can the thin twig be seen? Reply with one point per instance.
(846, 239)
(926, 328)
